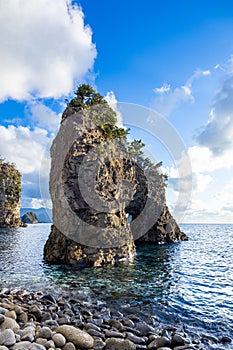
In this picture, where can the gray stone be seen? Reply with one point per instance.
(51, 323)
(177, 339)
(22, 345)
(115, 323)
(99, 344)
(28, 337)
(3, 347)
(76, 336)
(2, 318)
(119, 344)
(127, 322)
(59, 340)
(93, 326)
(184, 347)
(7, 337)
(35, 310)
(41, 341)
(135, 339)
(22, 318)
(35, 346)
(69, 346)
(30, 324)
(158, 343)
(113, 334)
(94, 333)
(27, 331)
(50, 344)
(11, 314)
(63, 320)
(44, 332)
(45, 316)
(145, 329)
(9, 323)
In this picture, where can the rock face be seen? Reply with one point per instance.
(30, 218)
(96, 188)
(10, 195)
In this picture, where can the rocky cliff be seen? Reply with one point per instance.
(10, 195)
(103, 201)
(30, 218)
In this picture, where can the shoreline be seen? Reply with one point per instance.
(39, 321)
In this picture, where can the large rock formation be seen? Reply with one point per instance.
(10, 195)
(103, 201)
(30, 218)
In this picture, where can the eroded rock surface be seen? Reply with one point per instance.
(30, 218)
(10, 195)
(102, 200)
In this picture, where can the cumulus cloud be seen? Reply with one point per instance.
(168, 99)
(45, 48)
(217, 135)
(112, 101)
(29, 150)
(43, 116)
(23, 146)
(164, 88)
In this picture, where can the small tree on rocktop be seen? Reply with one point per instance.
(99, 111)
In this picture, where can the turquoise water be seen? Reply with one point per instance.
(189, 283)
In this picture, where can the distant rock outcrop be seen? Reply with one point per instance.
(96, 186)
(30, 218)
(10, 195)
(44, 215)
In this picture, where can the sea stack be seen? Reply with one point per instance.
(103, 200)
(10, 195)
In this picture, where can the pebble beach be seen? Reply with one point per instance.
(38, 321)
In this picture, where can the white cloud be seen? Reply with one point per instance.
(112, 101)
(163, 89)
(27, 149)
(45, 48)
(44, 117)
(23, 146)
(37, 203)
(203, 160)
(168, 99)
(217, 134)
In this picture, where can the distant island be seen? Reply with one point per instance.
(43, 215)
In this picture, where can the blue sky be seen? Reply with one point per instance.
(174, 57)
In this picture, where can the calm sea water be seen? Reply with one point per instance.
(189, 283)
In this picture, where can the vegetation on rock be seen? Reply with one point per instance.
(100, 112)
(10, 195)
(108, 236)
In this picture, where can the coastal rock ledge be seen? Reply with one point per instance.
(104, 202)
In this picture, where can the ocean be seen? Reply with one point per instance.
(189, 283)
